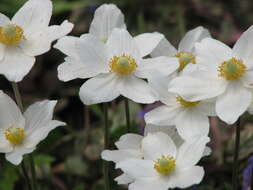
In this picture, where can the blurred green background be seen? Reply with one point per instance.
(69, 159)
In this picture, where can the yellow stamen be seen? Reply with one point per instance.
(165, 165)
(11, 34)
(185, 103)
(184, 59)
(15, 135)
(232, 69)
(123, 65)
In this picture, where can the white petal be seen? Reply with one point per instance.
(164, 48)
(192, 124)
(211, 53)
(10, 115)
(106, 18)
(160, 84)
(31, 17)
(147, 42)
(233, 102)
(191, 152)
(93, 54)
(191, 37)
(137, 90)
(247, 79)
(169, 130)
(67, 45)
(120, 155)
(39, 114)
(207, 151)
(243, 48)
(2, 51)
(157, 183)
(123, 179)
(163, 115)
(15, 65)
(5, 145)
(39, 42)
(202, 86)
(73, 68)
(187, 177)
(16, 156)
(129, 141)
(137, 168)
(41, 133)
(4, 20)
(207, 107)
(155, 145)
(163, 65)
(121, 42)
(102, 88)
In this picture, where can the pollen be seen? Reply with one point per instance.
(185, 103)
(232, 69)
(123, 65)
(11, 34)
(165, 165)
(15, 135)
(184, 59)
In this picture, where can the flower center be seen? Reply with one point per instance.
(123, 65)
(165, 165)
(232, 69)
(185, 103)
(104, 40)
(15, 135)
(184, 59)
(11, 34)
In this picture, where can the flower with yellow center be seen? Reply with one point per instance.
(11, 34)
(226, 76)
(189, 117)
(185, 58)
(165, 165)
(115, 68)
(123, 65)
(178, 170)
(26, 36)
(15, 135)
(232, 69)
(21, 133)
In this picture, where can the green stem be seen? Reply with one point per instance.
(236, 154)
(180, 19)
(20, 105)
(25, 173)
(127, 115)
(106, 146)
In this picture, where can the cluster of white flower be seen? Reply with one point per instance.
(204, 77)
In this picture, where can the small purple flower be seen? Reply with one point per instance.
(247, 174)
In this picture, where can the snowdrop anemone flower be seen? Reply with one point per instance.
(190, 118)
(116, 66)
(185, 53)
(20, 133)
(164, 165)
(129, 146)
(27, 35)
(227, 74)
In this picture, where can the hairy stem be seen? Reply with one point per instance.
(127, 115)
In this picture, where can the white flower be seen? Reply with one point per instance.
(129, 146)
(27, 35)
(185, 53)
(116, 66)
(250, 108)
(190, 118)
(20, 133)
(227, 74)
(164, 165)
